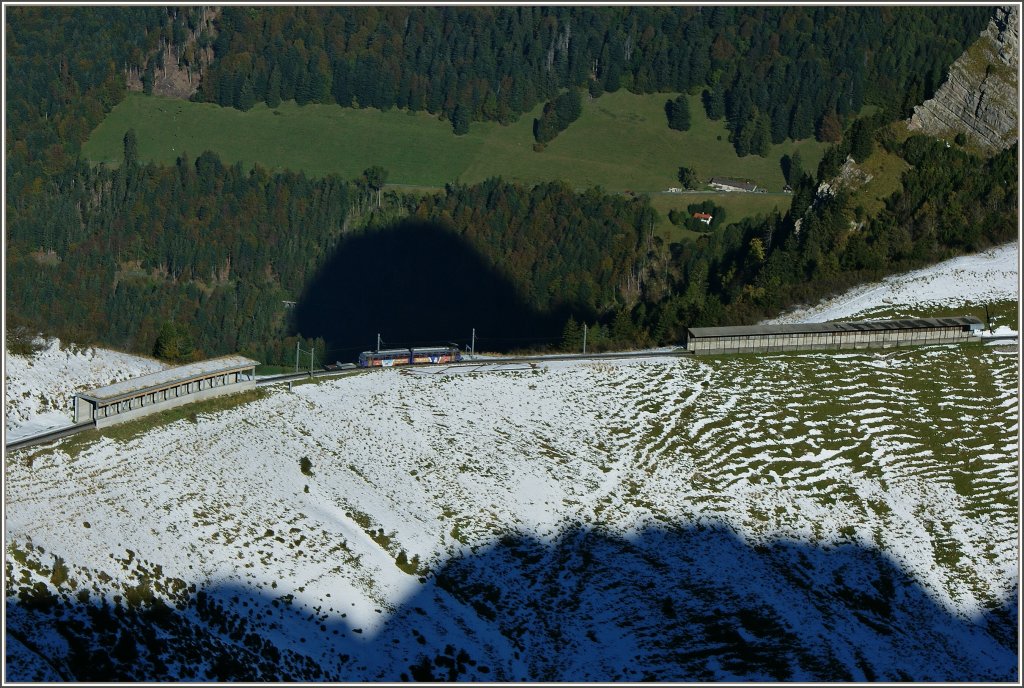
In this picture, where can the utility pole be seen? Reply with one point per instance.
(378, 342)
(312, 352)
(584, 339)
(472, 346)
(296, 356)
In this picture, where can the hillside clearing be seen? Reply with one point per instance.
(621, 142)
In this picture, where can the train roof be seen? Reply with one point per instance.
(386, 352)
(418, 349)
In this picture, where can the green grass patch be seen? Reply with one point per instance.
(886, 170)
(737, 207)
(621, 142)
(371, 529)
(410, 566)
(310, 381)
(317, 380)
(274, 370)
(935, 414)
(124, 432)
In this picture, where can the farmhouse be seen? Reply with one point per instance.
(723, 184)
(165, 389)
(863, 334)
(703, 217)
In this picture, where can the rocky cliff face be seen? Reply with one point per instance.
(979, 97)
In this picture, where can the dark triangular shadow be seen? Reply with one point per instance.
(417, 283)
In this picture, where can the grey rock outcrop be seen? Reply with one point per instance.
(979, 97)
(850, 178)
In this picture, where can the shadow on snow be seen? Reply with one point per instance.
(685, 604)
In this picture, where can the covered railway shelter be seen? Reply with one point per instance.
(861, 334)
(165, 389)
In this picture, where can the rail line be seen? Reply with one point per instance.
(49, 436)
(679, 352)
(277, 379)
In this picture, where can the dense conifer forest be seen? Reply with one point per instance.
(117, 256)
(773, 72)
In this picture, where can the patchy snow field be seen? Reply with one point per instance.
(40, 388)
(984, 277)
(831, 517)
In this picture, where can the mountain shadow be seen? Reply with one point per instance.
(676, 604)
(417, 284)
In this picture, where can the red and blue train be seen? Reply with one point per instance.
(395, 357)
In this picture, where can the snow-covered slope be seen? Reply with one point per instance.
(980, 278)
(40, 388)
(800, 517)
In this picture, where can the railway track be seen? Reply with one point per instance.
(66, 431)
(277, 379)
(60, 433)
(48, 436)
(999, 338)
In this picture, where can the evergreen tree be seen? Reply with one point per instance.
(557, 116)
(792, 167)
(568, 108)
(247, 95)
(613, 78)
(545, 128)
(460, 120)
(714, 102)
(174, 343)
(801, 124)
(623, 331)
(678, 113)
(131, 149)
(796, 167)
(760, 137)
(274, 88)
(572, 335)
(148, 77)
(375, 177)
(861, 140)
(688, 178)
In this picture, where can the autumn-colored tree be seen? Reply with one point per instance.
(829, 128)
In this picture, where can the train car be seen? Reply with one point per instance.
(417, 356)
(385, 359)
(448, 354)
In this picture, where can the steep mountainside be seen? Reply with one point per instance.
(805, 517)
(979, 97)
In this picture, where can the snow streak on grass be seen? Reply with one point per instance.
(350, 493)
(912, 452)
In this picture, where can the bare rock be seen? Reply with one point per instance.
(979, 97)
